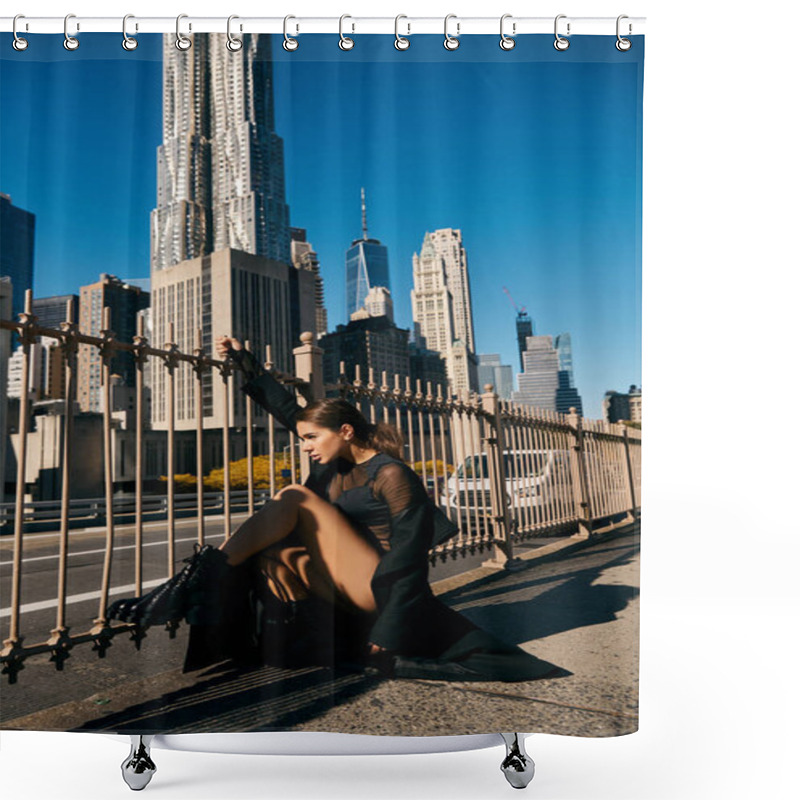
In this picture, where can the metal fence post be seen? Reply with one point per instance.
(12, 646)
(502, 546)
(308, 367)
(580, 482)
(631, 514)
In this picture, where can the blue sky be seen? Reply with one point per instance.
(535, 155)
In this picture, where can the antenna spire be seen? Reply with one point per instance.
(364, 214)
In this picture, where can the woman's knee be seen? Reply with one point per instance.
(295, 493)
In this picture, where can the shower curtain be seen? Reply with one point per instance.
(447, 240)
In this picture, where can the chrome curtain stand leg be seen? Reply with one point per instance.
(517, 766)
(138, 768)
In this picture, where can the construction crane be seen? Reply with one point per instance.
(519, 309)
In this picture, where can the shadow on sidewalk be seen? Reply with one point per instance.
(550, 598)
(226, 699)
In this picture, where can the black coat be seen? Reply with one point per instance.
(429, 639)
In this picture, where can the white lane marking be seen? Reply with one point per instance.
(79, 598)
(72, 554)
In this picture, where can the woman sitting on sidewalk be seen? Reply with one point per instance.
(357, 536)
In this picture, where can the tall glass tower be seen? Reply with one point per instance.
(567, 395)
(366, 266)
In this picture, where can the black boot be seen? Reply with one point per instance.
(174, 599)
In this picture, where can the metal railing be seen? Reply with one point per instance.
(91, 511)
(501, 471)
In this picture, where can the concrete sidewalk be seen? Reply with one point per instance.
(573, 603)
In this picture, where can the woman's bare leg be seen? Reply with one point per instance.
(339, 555)
(291, 575)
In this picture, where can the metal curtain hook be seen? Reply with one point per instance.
(507, 42)
(19, 43)
(182, 42)
(70, 42)
(289, 44)
(400, 42)
(345, 42)
(451, 42)
(234, 43)
(128, 42)
(561, 43)
(623, 44)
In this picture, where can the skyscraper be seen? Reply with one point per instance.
(221, 244)
(538, 382)
(567, 396)
(524, 330)
(46, 371)
(377, 303)
(16, 250)
(220, 167)
(563, 346)
(366, 266)
(374, 342)
(492, 370)
(228, 292)
(124, 303)
(304, 257)
(450, 250)
(441, 306)
(618, 406)
(52, 311)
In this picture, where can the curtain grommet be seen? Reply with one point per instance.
(507, 42)
(70, 42)
(19, 43)
(289, 44)
(401, 42)
(182, 42)
(622, 44)
(561, 44)
(451, 42)
(345, 42)
(234, 43)
(129, 43)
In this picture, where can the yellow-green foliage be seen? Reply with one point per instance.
(184, 482)
(215, 480)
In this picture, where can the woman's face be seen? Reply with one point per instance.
(322, 444)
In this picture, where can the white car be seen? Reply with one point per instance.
(529, 474)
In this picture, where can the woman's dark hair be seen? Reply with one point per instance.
(333, 413)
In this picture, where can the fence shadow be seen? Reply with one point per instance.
(229, 700)
(550, 603)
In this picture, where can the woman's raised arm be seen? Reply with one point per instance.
(265, 390)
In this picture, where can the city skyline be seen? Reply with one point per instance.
(516, 234)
